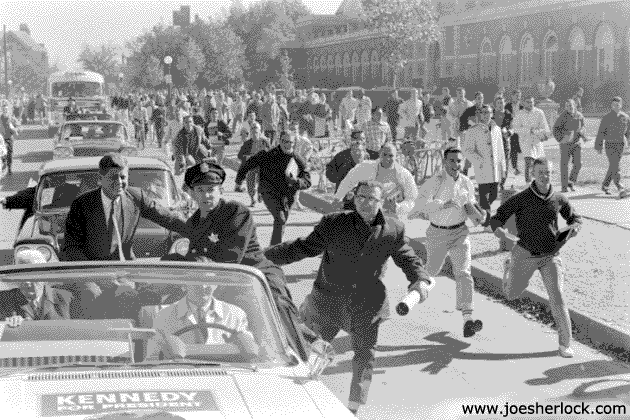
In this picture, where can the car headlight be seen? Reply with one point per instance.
(62, 152)
(46, 251)
(180, 246)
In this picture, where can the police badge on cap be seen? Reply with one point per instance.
(205, 173)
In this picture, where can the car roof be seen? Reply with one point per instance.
(91, 163)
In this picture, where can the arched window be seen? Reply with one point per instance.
(577, 45)
(486, 59)
(375, 65)
(605, 45)
(384, 71)
(322, 64)
(527, 59)
(365, 66)
(315, 64)
(338, 65)
(346, 65)
(505, 59)
(355, 67)
(331, 64)
(550, 46)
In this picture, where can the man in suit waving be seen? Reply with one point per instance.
(101, 225)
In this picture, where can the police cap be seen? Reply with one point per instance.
(205, 173)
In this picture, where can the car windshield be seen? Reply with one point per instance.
(159, 310)
(94, 131)
(58, 190)
(77, 89)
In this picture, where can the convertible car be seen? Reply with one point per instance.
(92, 137)
(63, 180)
(252, 363)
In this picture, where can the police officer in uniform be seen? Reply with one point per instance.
(225, 232)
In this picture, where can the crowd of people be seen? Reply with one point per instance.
(376, 191)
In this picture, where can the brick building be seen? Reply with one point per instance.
(482, 45)
(23, 52)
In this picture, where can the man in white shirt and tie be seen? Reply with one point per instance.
(447, 198)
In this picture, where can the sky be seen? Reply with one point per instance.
(66, 27)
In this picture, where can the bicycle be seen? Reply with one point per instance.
(419, 153)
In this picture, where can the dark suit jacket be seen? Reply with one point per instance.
(341, 164)
(87, 236)
(55, 304)
(224, 131)
(23, 199)
(354, 254)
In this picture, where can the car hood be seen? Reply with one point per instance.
(183, 394)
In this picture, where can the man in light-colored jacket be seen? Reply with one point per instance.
(348, 108)
(409, 112)
(400, 188)
(483, 146)
(531, 126)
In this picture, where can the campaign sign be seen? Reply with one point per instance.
(56, 405)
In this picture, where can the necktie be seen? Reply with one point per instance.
(114, 224)
(203, 332)
(35, 308)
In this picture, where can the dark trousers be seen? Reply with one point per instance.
(487, 194)
(393, 125)
(279, 210)
(515, 149)
(9, 158)
(614, 151)
(89, 301)
(568, 151)
(327, 314)
(529, 165)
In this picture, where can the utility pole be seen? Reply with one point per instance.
(6, 64)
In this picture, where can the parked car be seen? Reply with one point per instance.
(92, 137)
(102, 369)
(63, 180)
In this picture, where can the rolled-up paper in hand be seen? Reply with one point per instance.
(411, 300)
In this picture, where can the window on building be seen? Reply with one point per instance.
(486, 61)
(527, 60)
(449, 69)
(375, 65)
(505, 59)
(338, 65)
(550, 57)
(449, 41)
(355, 67)
(576, 46)
(346, 65)
(365, 66)
(605, 46)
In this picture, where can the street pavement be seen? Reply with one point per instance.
(425, 369)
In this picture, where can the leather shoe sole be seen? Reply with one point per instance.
(472, 327)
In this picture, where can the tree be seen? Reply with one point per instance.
(404, 23)
(102, 60)
(190, 62)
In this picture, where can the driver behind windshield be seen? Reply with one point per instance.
(199, 306)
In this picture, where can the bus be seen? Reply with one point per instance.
(85, 87)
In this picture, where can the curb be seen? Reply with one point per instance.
(585, 328)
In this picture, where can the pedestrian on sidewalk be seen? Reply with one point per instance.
(503, 118)
(515, 146)
(614, 130)
(9, 131)
(400, 191)
(483, 145)
(282, 174)
(341, 164)
(461, 110)
(391, 108)
(250, 148)
(531, 125)
(446, 199)
(348, 293)
(536, 211)
(569, 132)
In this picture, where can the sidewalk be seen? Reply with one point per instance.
(424, 366)
(596, 265)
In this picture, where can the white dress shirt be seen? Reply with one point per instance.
(442, 188)
(184, 313)
(107, 206)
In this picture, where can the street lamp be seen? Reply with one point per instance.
(169, 81)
